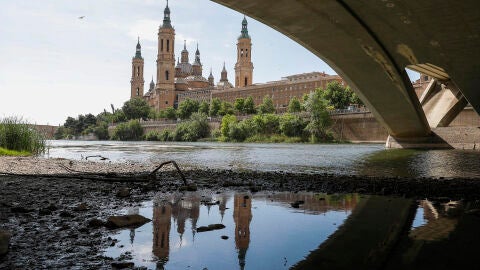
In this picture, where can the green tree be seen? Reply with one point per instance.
(294, 105)
(136, 108)
(225, 125)
(170, 113)
(204, 107)
(337, 95)
(187, 108)
(130, 131)
(292, 125)
(319, 117)
(249, 105)
(226, 108)
(354, 98)
(266, 106)
(215, 107)
(101, 131)
(119, 116)
(239, 105)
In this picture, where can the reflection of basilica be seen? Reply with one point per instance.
(180, 208)
(242, 215)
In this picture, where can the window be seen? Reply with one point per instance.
(168, 45)
(246, 81)
(166, 75)
(166, 102)
(161, 45)
(246, 52)
(138, 71)
(138, 91)
(425, 78)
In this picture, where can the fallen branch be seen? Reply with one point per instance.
(99, 156)
(154, 172)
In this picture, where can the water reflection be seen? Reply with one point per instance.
(325, 232)
(260, 230)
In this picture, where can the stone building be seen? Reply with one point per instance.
(179, 79)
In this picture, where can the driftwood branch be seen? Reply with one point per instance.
(99, 156)
(154, 172)
(107, 177)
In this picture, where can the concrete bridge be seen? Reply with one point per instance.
(370, 43)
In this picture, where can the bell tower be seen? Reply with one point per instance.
(137, 82)
(166, 62)
(244, 65)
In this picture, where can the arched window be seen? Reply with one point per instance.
(161, 45)
(138, 91)
(138, 71)
(168, 45)
(246, 52)
(246, 81)
(241, 52)
(166, 75)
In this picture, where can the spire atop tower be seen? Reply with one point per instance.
(223, 76)
(166, 18)
(152, 84)
(138, 52)
(244, 32)
(197, 57)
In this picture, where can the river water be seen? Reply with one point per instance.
(337, 159)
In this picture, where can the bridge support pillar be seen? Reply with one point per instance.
(430, 142)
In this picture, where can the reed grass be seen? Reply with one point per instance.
(20, 136)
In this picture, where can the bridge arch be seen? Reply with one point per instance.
(370, 43)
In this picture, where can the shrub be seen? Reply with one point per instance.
(130, 131)
(195, 128)
(152, 135)
(20, 136)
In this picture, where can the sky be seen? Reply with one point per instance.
(56, 65)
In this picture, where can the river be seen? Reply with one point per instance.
(337, 159)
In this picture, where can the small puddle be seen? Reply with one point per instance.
(262, 231)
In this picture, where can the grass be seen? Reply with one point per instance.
(13, 153)
(19, 136)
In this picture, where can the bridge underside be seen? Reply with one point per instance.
(370, 43)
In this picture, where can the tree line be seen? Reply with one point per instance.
(263, 125)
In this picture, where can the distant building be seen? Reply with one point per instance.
(179, 79)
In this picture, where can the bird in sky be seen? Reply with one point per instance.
(81, 17)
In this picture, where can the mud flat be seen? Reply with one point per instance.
(56, 222)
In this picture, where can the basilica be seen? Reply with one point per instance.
(176, 76)
(179, 79)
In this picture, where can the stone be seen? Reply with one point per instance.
(122, 265)
(4, 242)
(210, 227)
(20, 210)
(191, 187)
(65, 214)
(95, 223)
(123, 193)
(81, 207)
(126, 221)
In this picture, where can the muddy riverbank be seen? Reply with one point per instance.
(50, 218)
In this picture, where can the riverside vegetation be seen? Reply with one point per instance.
(19, 138)
(306, 120)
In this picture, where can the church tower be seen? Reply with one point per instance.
(166, 63)
(137, 82)
(244, 65)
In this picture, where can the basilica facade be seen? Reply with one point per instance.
(179, 79)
